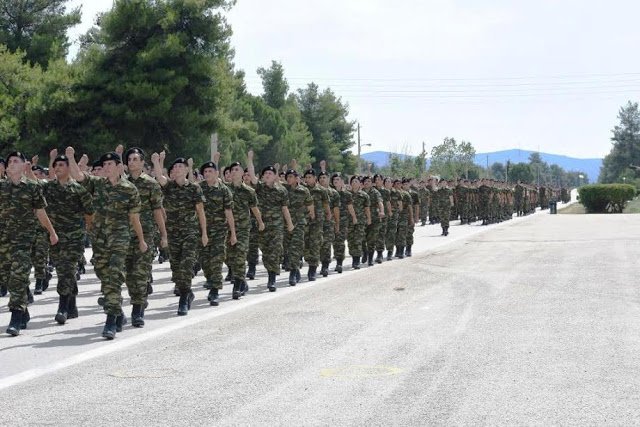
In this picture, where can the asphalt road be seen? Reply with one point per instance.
(532, 322)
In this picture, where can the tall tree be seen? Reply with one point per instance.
(521, 172)
(274, 85)
(451, 160)
(498, 171)
(158, 75)
(326, 116)
(626, 145)
(38, 28)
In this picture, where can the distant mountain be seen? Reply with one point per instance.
(590, 166)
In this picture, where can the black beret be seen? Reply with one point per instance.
(323, 173)
(397, 181)
(38, 168)
(310, 172)
(291, 172)
(18, 154)
(233, 165)
(207, 166)
(406, 180)
(97, 164)
(179, 160)
(269, 168)
(61, 158)
(335, 175)
(366, 177)
(376, 176)
(110, 156)
(356, 177)
(134, 150)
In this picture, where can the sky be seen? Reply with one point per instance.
(548, 75)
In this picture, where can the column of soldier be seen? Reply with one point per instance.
(200, 219)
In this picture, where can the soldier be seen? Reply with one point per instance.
(273, 199)
(69, 207)
(423, 194)
(245, 202)
(385, 193)
(22, 202)
(253, 252)
(445, 201)
(313, 233)
(300, 206)
(415, 204)
(377, 214)
(347, 216)
(220, 225)
(138, 264)
(395, 199)
(40, 248)
(356, 235)
(184, 206)
(332, 223)
(405, 218)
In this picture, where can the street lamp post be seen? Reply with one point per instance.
(360, 145)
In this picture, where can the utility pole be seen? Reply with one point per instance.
(359, 168)
(214, 145)
(487, 166)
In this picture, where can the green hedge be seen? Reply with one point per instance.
(606, 198)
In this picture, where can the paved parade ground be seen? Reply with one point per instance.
(533, 321)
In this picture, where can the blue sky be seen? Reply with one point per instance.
(548, 75)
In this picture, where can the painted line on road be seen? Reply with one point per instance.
(122, 344)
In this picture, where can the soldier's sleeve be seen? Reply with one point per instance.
(367, 200)
(227, 200)
(325, 197)
(134, 201)
(284, 196)
(155, 196)
(308, 200)
(253, 198)
(198, 195)
(349, 198)
(37, 197)
(90, 182)
(86, 200)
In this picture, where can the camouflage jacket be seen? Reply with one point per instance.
(67, 205)
(360, 202)
(299, 200)
(150, 199)
(112, 203)
(180, 203)
(217, 198)
(244, 198)
(271, 201)
(17, 205)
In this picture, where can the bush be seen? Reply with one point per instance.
(606, 198)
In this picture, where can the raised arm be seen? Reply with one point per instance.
(158, 168)
(251, 168)
(74, 170)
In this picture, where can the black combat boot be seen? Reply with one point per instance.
(442, 230)
(400, 252)
(213, 297)
(390, 255)
(29, 296)
(229, 277)
(137, 316)
(379, 258)
(39, 289)
(81, 268)
(183, 306)
(446, 230)
(72, 310)
(325, 269)
(109, 331)
(292, 277)
(338, 268)
(121, 320)
(196, 269)
(311, 275)
(356, 263)
(3, 291)
(63, 307)
(237, 289)
(176, 291)
(251, 272)
(245, 288)
(408, 251)
(271, 284)
(370, 259)
(25, 319)
(14, 323)
(208, 285)
(424, 223)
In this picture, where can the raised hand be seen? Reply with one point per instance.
(70, 152)
(53, 154)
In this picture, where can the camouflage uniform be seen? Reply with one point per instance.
(138, 264)
(111, 234)
(356, 233)
(17, 203)
(411, 226)
(244, 198)
(372, 230)
(346, 199)
(180, 203)
(444, 205)
(329, 229)
(68, 204)
(392, 224)
(299, 200)
(403, 219)
(313, 232)
(385, 194)
(271, 201)
(217, 198)
(40, 252)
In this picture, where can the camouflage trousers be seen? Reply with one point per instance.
(443, 213)
(138, 267)
(65, 255)
(424, 211)
(271, 246)
(15, 266)
(328, 237)
(371, 236)
(355, 237)
(313, 242)
(433, 211)
(411, 228)
(109, 253)
(254, 243)
(212, 256)
(294, 244)
(339, 247)
(40, 253)
(182, 255)
(403, 225)
(484, 208)
(237, 254)
(392, 231)
(382, 234)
